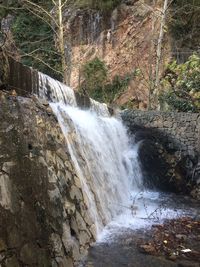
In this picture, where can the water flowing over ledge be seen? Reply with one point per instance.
(104, 161)
(55, 91)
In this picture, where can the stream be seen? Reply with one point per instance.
(117, 244)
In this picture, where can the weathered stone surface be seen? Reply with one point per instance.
(29, 254)
(185, 127)
(3, 246)
(169, 147)
(12, 262)
(5, 191)
(39, 195)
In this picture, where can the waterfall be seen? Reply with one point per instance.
(100, 151)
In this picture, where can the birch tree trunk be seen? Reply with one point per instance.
(151, 64)
(159, 50)
(61, 42)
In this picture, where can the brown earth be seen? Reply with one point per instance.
(131, 45)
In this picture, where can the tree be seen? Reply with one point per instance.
(180, 19)
(37, 25)
(159, 50)
(54, 18)
(184, 26)
(94, 74)
(151, 73)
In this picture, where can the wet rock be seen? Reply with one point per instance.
(84, 238)
(172, 257)
(14, 238)
(80, 222)
(195, 193)
(66, 238)
(183, 237)
(5, 191)
(62, 154)
(76, 251)
(66, 262)
(29, 254)
(57, 245)
(44, 102)
(3, 246)
(12, 262)
(76, 193)
(93, 230)
(70, 207)
(148, 248)
(188, 264)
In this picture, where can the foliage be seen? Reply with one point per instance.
(95, 74)
(33, 37)
(184, 27)
(118, 85)
(181, 83)
(109, 92)
(96, 84)
(35, 40)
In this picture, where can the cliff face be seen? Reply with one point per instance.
(124, 40)
(43, 218)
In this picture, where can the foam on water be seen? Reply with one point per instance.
(147, 208)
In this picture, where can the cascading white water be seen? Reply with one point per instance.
(55, 91)
(106, 166)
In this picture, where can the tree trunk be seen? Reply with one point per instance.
(159, 50)
(62, 43)
(151, 62)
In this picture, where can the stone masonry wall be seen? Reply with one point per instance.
(169, 149)
(43, 218)
(181, 130)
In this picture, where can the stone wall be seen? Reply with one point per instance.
(43, 218)
(169, 149)
(181, 130)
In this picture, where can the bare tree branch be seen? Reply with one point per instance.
(40, 17)
(43, 62)
(41, 10)
(35, 42)
(10, 8)
(65, 2)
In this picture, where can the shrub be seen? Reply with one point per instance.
(95, 75)
(181, 85)
(96, 84)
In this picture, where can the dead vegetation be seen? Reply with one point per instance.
(177, 240)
